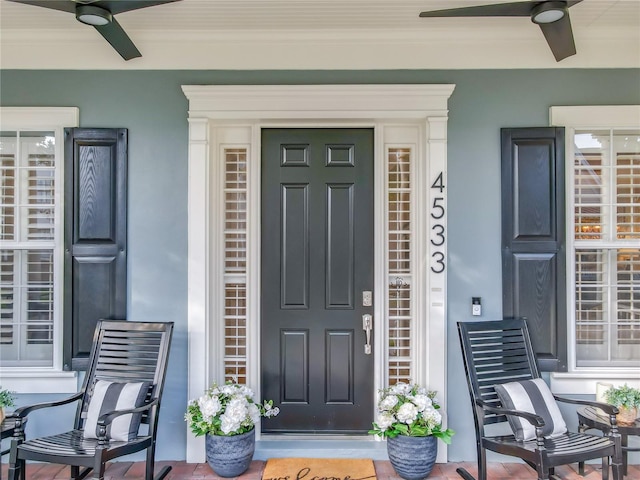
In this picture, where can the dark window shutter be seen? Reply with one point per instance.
(95, 265)
(533, 238)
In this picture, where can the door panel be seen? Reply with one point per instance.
(294, 365)
(339, 380)
(340, 254)
(294, 263)
(317, 258)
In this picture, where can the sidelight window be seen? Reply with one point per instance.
(235, 264)
(399, 265)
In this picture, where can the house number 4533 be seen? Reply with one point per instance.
(438, 230)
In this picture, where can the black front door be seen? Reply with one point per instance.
(317, 260)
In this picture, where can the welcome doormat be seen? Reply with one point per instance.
(319, 469)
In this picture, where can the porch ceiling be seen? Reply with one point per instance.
(319, 34)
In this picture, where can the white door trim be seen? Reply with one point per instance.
(217, 110)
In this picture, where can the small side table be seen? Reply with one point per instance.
(592, 417)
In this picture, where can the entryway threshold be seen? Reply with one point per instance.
(306, 447)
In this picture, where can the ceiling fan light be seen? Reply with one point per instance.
(548, 12)
(91, 15)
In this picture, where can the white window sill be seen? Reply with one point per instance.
(39, 381)
(584, 383)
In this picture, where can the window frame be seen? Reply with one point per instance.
(45, 379)
(583, 380)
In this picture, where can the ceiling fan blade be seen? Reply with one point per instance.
(559, 36)
(120, 6)
(68, 6)
(118, 38)
(515, 9)
(112, 31)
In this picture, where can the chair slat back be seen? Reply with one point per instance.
(126, 351)
(495, 352)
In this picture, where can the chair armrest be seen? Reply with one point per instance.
(22, 412)
(607, 408)
(532, 418)
(610, 410)
(106, 418)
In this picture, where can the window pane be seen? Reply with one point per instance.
(399, 206)
(36, 188)
(400, 321)
(8, 142)
(608, 307)
(235, 333)
(235, 198)
(7, 294)
(26, 285)
(591, 305)
(627, 332)
(590, 183)
(627, 148)
(27, 161)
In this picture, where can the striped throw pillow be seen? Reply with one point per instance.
(531, 396)
(110, 396)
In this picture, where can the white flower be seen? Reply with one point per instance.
(401, 388)
(432, 416)
(270, 411)
(209, 406)
(421, 401)
(228, 389)
(388, 402)
(407, 413)
(385, 420)
(237, 409)
(228, 424)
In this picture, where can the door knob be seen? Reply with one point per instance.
(367, 325)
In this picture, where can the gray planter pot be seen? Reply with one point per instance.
(412, 458)
(230, 456)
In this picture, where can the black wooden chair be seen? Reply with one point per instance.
(499, 352)
(128, 363)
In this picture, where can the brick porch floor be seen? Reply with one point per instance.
(384, 470)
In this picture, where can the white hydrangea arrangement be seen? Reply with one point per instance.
(411, 410)
(228, 409)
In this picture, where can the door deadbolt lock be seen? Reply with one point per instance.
(367, 298)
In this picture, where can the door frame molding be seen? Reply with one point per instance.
(229, 110)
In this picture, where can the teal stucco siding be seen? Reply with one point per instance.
(152, 106)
